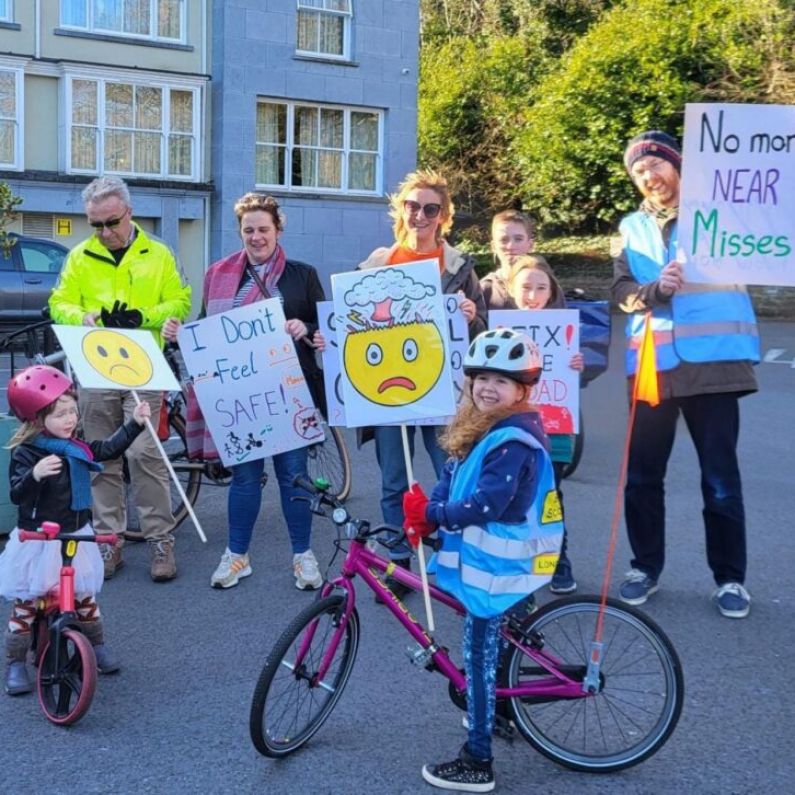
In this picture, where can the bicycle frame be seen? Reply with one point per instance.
(362, 562)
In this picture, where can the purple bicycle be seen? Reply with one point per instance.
(594, 713)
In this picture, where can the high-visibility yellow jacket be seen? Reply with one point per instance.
(147, 279)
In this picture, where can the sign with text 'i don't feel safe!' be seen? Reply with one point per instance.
(249, 383)
(737, 203)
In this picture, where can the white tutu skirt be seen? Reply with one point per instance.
(29, 569)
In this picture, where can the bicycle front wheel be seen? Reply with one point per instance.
(640, 694)
(331, 461)
(67, 678)
(290, 704)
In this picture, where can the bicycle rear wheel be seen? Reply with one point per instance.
(289, 703)
(640, 694)
(67, 678)
(330, 460)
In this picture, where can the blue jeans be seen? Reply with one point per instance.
(714, 424)
(245, 499)
(394, 480)
(481, 651)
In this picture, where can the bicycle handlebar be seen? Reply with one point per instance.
(38, 535)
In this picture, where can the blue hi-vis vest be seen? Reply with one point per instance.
(702, 322)
(490, 567)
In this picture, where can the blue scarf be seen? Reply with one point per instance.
(81, 464)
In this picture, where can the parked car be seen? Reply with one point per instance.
(28, 272)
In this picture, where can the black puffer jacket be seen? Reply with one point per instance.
(49, 499)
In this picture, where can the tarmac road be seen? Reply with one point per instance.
(176, 718)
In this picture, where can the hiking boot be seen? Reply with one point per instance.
(163, 565)
(106, 661)
(464, 774)
(733, 600)
(307, 573)
(111, 558)
(398, 588)
(563, 580)
(231, 570)
(637, 587)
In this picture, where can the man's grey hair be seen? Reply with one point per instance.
(103, 188)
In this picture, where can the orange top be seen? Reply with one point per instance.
(402, 255)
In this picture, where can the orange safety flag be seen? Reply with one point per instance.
(646, 387)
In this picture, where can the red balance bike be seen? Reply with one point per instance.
(66, 676)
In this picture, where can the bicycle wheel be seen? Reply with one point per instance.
(579, 441)
(330, 460)
(289, 704)
(640, 694)
(66, 686)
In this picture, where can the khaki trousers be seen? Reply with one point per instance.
(102, 413)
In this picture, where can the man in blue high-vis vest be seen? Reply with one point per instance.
(706, 342)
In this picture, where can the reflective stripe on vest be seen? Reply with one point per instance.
(702, 323)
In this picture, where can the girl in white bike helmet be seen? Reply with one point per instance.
(498, 518)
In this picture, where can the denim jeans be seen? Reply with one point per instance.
(714, 423)
(481, 652)
(245, 499)
(394, 480)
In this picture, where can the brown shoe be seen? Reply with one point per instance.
(164, 567)
(111, 558)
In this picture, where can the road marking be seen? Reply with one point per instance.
(773, 355)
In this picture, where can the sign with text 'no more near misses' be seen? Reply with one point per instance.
(737, 203)
(248, 382)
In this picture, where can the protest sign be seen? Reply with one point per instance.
(330, 359)
(114, 358)
(557, 334)
(737, 202)
(393, 348)
(248, 382)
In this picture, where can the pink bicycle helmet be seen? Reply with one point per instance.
(35, 388)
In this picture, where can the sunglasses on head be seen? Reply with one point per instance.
(111, 223)
(428, 210)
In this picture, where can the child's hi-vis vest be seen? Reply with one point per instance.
(490, 567)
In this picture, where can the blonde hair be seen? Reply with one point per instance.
(29, 429)
(470, 424)
(259, 202)
(418, 180)
(535, 262)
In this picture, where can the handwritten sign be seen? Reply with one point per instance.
(249, 383)
(557, 334)
(330, 359)
(737, 205)
(393, 347)
(114, 358)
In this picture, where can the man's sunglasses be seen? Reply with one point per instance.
(111, 223)
(428, 210)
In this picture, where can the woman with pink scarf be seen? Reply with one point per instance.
(262, 271)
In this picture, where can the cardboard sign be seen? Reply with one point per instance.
(557, 334)
(330, 359)
(115, 358)
(393, 348)
(737, 203)
(248, 382)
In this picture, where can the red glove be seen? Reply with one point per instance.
(415, 523)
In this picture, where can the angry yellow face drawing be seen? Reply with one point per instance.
(117, 357)
(394, 365)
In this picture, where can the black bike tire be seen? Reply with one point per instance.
(333, 445)
(669, 712)
(330, 606)
(82, 680)
(579, 442)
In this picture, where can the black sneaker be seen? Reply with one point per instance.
(465, 774)
(563, 580)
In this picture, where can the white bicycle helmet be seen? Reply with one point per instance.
(504, 350)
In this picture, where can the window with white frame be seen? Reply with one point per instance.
(318, 147)
(5, 11)
(10, 118)
(139, 129)
(160, 20)
(324, 27)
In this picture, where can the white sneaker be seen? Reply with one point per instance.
(231, 570)
(307, 573)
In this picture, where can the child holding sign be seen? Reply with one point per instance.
(50, 482)
(533, 286)
(497, 496)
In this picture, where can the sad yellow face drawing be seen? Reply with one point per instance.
(117, 357)
(394, 365)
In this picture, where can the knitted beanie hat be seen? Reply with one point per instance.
(655, 143)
